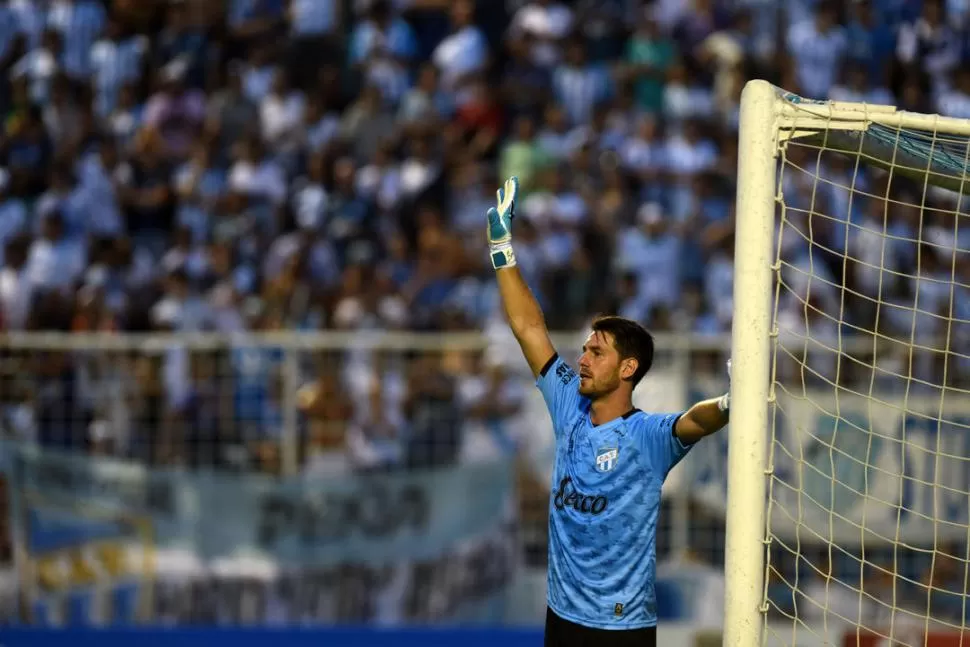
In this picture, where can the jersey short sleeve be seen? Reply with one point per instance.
(559, 385)
(660, 443)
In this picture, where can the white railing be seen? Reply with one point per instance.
(673, 354)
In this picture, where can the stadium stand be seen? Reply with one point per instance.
(224, 167)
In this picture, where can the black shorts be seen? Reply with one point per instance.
(563, 633)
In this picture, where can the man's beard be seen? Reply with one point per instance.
(594, 390)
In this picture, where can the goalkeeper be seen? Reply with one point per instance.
(611, 461)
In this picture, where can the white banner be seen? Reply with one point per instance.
(105, 542)
(853, 469)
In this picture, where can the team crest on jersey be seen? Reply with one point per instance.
(606, 458)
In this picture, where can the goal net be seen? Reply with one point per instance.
(866, 345)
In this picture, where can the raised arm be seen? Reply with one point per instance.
(521, 308)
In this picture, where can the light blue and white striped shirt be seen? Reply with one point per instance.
(97, 189)
(80, 23)
(580, 89)
(817, 57)
(115, 63)
(399, 41)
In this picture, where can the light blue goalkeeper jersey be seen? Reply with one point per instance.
(604, 506)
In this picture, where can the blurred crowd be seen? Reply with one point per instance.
(259, 165)
(238, 166)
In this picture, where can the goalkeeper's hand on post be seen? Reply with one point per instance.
(500, 225)
(724, 402)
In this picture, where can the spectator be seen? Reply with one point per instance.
(27, 149)
(16, 289)
(79, 22)
(63, 117)
(367, 123)
(434, 436)
(253, 21)
(9, 28)
(817, 46)
(231, 112)
(321, 122)
(556, 139)
(182, 39)
(871, 40)
(489, 397)
(652, 253)
(479, 122)
(315, 27)
(13, 210)
(146, 193)
(425, 106)
(54, 260)
(685, 97)
(955, 102)
(117, 60)
(719, 282)
(175, 111)
(541, 26)
(696, 26)
(281, 114)
(381, 48)
(256, 176)
(39, 66)
(580, 85)
(649, 55)
(928, 45)
(329, 449)
(858, 86)
(522, 156)
(463, 53)
(127, 118)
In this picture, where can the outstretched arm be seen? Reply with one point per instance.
(525, 318)
(702, 419)
(705, 417)
(521, 308)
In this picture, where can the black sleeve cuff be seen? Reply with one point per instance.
(673, 432)
(548, 364)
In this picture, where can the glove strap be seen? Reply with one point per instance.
(502, 256)
(724, 402)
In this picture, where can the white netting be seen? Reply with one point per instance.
(870, 444)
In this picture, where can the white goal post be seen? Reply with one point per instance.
(744, 552)
(852, 310)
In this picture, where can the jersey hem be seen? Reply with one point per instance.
(593, 625)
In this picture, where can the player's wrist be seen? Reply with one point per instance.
(724, 402)
(502, 255)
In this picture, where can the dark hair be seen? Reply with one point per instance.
(630, 340)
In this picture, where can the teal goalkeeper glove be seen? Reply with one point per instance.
(500, 225)
(724, 402)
